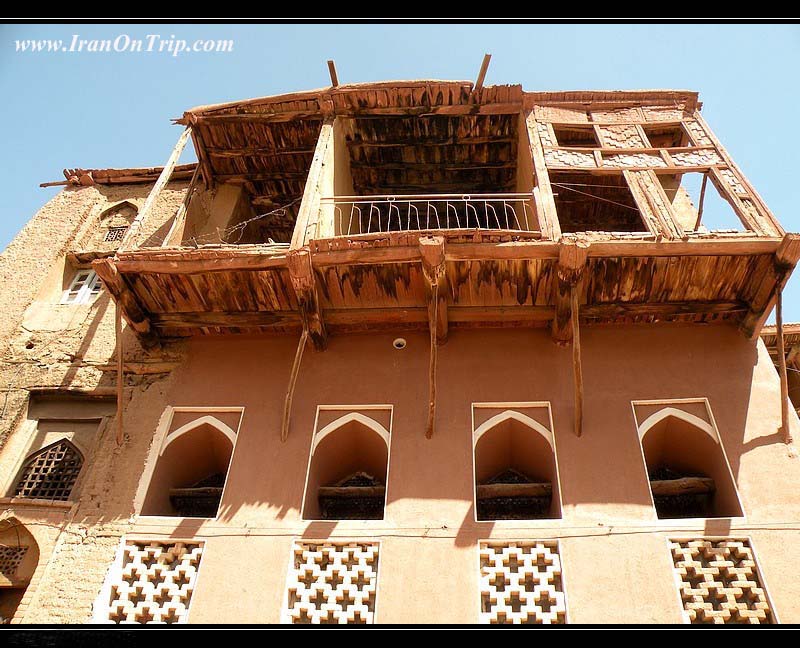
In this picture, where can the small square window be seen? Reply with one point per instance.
(85, 287)
(115, 233)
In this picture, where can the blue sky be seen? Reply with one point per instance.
(113, 109)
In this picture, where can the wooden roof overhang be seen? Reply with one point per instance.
(379, 283)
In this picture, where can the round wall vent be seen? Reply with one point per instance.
(399, 343)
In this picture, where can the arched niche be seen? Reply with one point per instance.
(515, 469)
(348, 470)
(19, 557)
(686, 465)
(191, 470)
(119, 215)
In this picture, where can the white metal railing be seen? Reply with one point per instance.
(374, 214)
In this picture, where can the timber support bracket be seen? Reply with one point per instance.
(302, 276)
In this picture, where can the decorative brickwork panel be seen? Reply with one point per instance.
(155, 582)
(50, 473)
(562, 157)
(560, 115)
(10, 559)
(115, 234)
(332, 583)
(545, 134)
(621, 136)
(618, 115)
(698, 134)
(521, 583)
(662, 113)
(628, 160)
(696, 158)
(719, 582)
(730, 177)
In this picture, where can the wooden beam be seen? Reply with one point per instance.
(572, 259)
(490, 491)
(577, 370)
(255, 151)
(682, 486)
(189, 261)
(786, 258)
(787, 434)
(349, 492)
(701, 201)
(180, 216)
(482, 72)
(225, 319)
(434, 141)
(308, 213)
(332, 72)
(123, 295)
(163, 178)
(548, 219)
(304, 283)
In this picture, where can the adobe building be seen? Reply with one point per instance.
(402, 352)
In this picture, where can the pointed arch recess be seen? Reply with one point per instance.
(340, 422)
(213, 421)
(654, 419)
(495, 420)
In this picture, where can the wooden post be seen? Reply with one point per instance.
(332, 71)
(163, 179)
(482, 72)
(577, 370)
(702, 199)
(287, 403)
(120, 374)
(431, 250)
(181, 214)
(787, 435)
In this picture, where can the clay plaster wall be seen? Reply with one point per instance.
(614, 552)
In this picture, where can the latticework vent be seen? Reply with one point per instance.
(154, 583)
(719, 582)
(332, 583)
(51, 472)
(10, 559)
(521, 583)
(115, 233)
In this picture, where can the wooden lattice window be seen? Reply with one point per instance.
(51, 472)
(115, 233)
(10, 559)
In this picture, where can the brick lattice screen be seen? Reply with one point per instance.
(332, 583)
(10, 559)
(719, 582)
(155, 582)
(521, 582)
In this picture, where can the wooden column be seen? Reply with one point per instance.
(433, 268)
(577, 369)
(787, 435)
(120, 372)
(305, 287)
(163, 179)
(548, 219)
